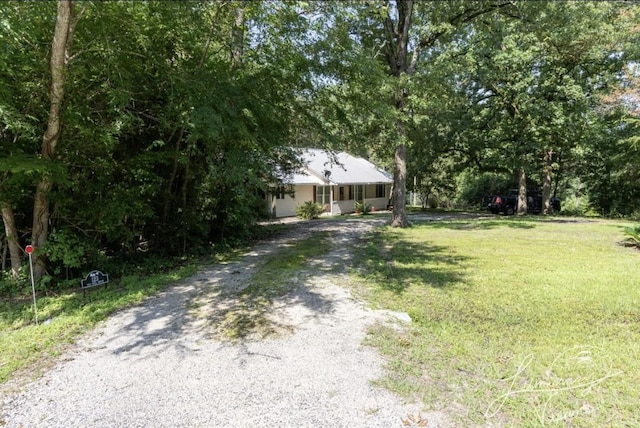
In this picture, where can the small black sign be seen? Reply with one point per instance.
(94, 278)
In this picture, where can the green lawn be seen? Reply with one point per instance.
(516, 321)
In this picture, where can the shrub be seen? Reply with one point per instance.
(309, 210)
(633, 236)
(362, 207)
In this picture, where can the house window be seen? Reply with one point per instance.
(280, 192)
(323, 194)
(379, 190)
(358, 191)
(344, 193)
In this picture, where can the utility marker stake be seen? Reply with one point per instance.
(29, 249)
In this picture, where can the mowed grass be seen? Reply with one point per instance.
(516, 321)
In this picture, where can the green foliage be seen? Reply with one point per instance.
(70, 313)
(65, 249)
(611, 170)
(474, 188)
(362, 207)
(493, 88)
(309, 210)
(168, 143)
(10, 287)
(632, 236)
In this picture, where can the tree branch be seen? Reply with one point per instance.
(463, 17)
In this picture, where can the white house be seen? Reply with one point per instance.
(336, 181)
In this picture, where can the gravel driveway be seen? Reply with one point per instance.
(157, 365)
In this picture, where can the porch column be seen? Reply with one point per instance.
(331, 199)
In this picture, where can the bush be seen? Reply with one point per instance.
(633, 236)
(309, 210)
(66, 249)
(362, 207)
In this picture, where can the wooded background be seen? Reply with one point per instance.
(154, 128)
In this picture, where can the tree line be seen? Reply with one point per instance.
(132, 129)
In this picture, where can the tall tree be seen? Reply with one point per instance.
(166, 135)
(397, 55)
(411, 34)
(59, 54)
(532, 81)
(21, 96)
(11, 232)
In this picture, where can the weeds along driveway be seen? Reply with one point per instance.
(163, 363)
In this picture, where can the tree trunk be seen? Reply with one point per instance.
(237, 38)
(4, 255)
(168, 194)
(522, 192)
(58, 64)
(546, 182)
(397, 58)
(15, 252)
(399, 216)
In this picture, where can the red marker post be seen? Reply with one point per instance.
(29, 250)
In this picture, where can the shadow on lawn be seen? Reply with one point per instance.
(481, 224)
(398, 264)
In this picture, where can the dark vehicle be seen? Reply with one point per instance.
(508, 204)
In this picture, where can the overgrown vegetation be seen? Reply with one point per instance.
(521, 322)
(163, 152)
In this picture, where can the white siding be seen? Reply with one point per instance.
(287, 207)
(343, 207)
